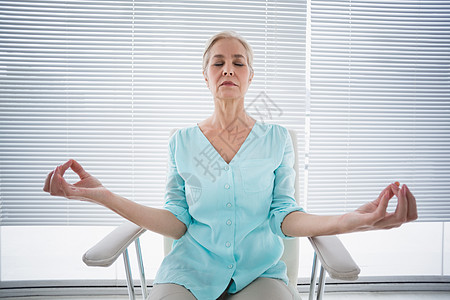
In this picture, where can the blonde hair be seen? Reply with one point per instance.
(226, 35)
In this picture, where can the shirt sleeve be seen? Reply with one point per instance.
(175, 197)
(283, 201)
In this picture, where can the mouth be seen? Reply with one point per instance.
(228, 83)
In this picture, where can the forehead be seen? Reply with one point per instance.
(228, 48)
(238, 56)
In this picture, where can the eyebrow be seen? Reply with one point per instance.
(235, 55)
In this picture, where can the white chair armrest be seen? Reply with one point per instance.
(335, 258)
(105, 252)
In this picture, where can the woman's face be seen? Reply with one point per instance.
(228, 75)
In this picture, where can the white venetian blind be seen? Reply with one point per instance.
(380, 103)
(103, 82)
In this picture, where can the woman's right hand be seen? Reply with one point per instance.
(88, 188)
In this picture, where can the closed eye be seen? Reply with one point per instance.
(221, 64)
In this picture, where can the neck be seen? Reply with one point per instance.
(230, 113)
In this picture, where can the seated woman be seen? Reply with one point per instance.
(228, 219)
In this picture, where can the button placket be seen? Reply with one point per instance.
(229, 237)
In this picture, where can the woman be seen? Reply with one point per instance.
(230, 195)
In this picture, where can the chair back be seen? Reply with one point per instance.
(291, 246)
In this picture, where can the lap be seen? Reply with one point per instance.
(170, 291)
(264, 288)
(260, 289)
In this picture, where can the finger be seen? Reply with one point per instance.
(394, 220)
(387, 191)
(54, 182)
(412, 205)
(66, 165)
(63, 168)
(380, 212)
(65, 187)
(58, 185)
(402, 206)
(47, 182)
(385, 218)
(393, 190)
(77, 168)
(383, 192)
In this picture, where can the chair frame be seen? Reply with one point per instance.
(318, 272)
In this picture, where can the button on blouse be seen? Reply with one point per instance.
(233, 212)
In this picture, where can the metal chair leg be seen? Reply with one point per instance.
(130, 285)
(137, 245)
(312, 285)
(321, 288)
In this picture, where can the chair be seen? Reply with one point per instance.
(330, 253)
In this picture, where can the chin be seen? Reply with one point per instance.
(229, 97)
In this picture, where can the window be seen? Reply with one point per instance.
(380, 103)
(365, 82)
(104, 82)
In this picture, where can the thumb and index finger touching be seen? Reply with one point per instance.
(406, 209)
(384, 198)
(59, 171)
(390, 191)
(75, 166)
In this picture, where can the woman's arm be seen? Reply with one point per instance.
(157, 220)
(371, 216)
(90, 189)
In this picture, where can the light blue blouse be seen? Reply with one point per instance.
(233, 212)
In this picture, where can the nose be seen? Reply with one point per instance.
(227, 70)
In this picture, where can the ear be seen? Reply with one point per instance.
(250, 77)
(206, 78)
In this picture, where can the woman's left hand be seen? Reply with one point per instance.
(374, 215)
